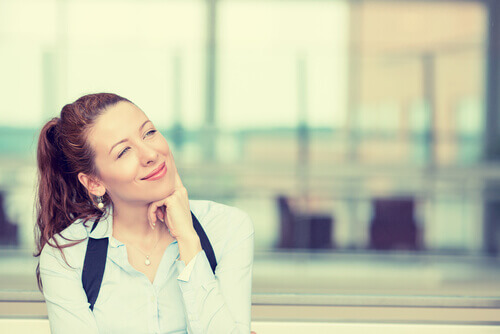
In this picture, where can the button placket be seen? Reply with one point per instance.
(154, 310)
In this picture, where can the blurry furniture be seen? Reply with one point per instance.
(8, 231)
(300, 230)
(393, 225)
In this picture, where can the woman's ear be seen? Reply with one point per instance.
(93, 186)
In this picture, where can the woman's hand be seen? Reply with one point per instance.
(173, 210)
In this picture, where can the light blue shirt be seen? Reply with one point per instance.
(180, 300)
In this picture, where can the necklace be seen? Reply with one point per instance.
(148, 262)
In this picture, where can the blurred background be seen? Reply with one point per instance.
(362, 137)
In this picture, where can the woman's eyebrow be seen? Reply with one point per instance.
(124, 140)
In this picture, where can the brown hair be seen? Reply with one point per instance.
(63, 152)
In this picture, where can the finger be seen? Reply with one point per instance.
(151, 214)
(178, 182)
(177, 179)
(159, 214)
(167, 223)
(173, 161)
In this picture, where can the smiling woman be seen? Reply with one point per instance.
(151, 260)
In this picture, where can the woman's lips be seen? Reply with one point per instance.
(157, 173)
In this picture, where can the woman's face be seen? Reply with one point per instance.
(128, 148)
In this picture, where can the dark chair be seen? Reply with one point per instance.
(8, 231)
(303, 230)
(393, 225)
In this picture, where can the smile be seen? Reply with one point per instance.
(157, 174)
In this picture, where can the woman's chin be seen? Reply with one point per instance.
(162, 195)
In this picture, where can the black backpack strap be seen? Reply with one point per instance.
(205, 243)
(95, 225)
(93, 266)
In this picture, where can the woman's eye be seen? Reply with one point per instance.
(126, 149)
(121, 153)
(152, 131)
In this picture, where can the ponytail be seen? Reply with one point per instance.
(62, 153)
(52, 192)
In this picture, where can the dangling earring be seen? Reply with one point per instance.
(101, 204)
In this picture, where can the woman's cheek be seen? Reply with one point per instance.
(164, 146)
(126, 172)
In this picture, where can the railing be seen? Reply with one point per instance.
(25, 312)
(41, 326)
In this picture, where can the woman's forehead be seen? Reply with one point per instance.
(120, 117)
(118, 122)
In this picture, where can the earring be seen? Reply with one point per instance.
(101, 204)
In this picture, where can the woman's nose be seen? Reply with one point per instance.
(148, 154)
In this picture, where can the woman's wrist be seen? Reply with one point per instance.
(189, 246)
(188, 237)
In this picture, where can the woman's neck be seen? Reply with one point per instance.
(130, 224)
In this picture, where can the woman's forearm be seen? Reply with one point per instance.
(189, 246)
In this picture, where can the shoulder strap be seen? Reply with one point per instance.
(97, 251)
(205, 243)
(93, 266)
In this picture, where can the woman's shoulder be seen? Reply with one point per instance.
(221, 219)
(73, 243)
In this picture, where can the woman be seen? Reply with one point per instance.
(106, 173)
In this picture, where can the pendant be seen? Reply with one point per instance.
(147, 262)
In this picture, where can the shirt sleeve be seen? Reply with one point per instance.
(186, 272)
(221, 303)
(67, 305)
